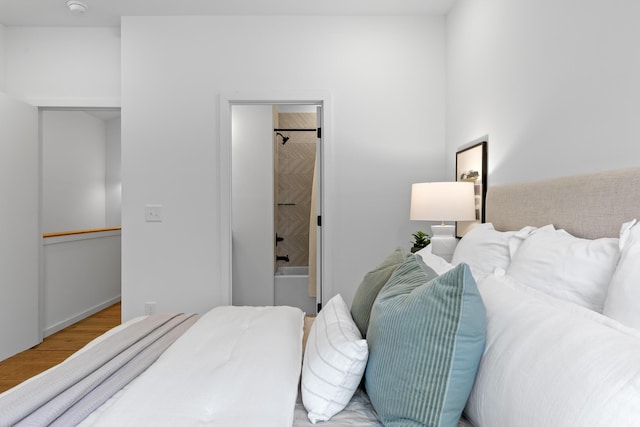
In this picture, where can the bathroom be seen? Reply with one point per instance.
(275, 205)
(294, 167)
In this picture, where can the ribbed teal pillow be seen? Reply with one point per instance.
(370, 286)
(425, 341)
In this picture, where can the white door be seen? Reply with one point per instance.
(19, 214)
(252, 234)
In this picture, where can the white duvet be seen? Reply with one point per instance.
(237, 366)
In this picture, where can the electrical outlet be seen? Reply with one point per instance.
(153, 213)
(149, 308)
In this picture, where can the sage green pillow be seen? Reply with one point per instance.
(370, 286)
(425, 341)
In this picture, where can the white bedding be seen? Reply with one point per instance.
(358, 413)
(237, 366)
(67, 393)
(549, 362)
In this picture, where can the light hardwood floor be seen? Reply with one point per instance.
(57, 347)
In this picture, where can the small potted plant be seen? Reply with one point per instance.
(420, 241)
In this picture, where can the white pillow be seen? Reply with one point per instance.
(552, 363)
(623, 297)
(484, 249)
(436, 263)
(566, 267)
(334, 361)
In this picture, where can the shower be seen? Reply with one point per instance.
(284, 138)
(294, 167)
(294, 176)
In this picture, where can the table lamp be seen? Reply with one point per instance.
(443, 201)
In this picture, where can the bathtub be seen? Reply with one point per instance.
(291, 287)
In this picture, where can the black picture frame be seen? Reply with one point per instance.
(471, 165)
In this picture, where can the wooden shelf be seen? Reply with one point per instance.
(74, 232)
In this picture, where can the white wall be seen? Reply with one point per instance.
(554, 84)
(82, 276)
(113, 177)
(252, 201)
(61, 67)
(2, 60)
(386, 76)
(73, 170)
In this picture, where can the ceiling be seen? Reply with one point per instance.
(108, 12)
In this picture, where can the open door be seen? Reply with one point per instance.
(252, 205)
(315, 221)
(20, 249)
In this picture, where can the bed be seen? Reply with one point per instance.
(533, 323)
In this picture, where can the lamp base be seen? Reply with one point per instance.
(443, 241)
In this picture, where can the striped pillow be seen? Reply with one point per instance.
(334, 361)
(425, 339)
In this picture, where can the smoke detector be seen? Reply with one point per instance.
(77, 7)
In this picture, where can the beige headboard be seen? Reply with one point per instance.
(589, 206)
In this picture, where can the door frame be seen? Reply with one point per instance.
(226, 101)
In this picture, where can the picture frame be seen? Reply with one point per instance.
(471, 166)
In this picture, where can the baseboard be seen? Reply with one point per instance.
(78, 317)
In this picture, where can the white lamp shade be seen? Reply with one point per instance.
(443, 201)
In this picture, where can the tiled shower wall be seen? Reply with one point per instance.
(294, 171)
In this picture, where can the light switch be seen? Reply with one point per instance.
(150, 307)
(153, 213)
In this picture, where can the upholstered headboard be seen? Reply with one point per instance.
(589, 206)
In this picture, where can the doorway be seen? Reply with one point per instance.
(235, 190)
(80, 213)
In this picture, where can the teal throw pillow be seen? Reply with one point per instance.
(370, 286)
(425, 337)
